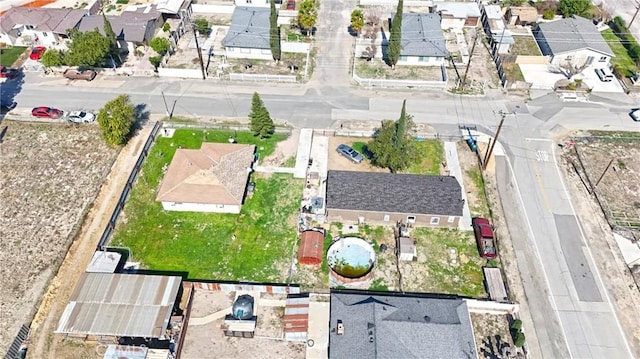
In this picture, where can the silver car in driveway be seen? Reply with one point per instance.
(350, 153)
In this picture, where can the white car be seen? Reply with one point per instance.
(81, 117)
(635, 114)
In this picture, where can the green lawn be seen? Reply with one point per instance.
(512, 71)
(9, 55)
(431, 153)
(622, 61)
(437, 274)
(201, 243)
(526, 46)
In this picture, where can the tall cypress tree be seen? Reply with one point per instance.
(114, 51)
(274, 33)
(395, 38)
(401, 127)
(260, 119)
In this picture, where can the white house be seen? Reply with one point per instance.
(210, 179)
(422, 41)
(38, 26)
(495, 27)
(248, 35)
(573, 42)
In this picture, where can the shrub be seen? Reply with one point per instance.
(155, 61)
(516, 325)
(166, 27)
(519, 339)
(202, 26)
(548, 14)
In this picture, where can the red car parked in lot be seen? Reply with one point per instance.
(37, 52)
(46, 112)
(291, 5)
(484, 237)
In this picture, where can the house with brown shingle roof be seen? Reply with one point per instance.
(210, 179)
(38, 26)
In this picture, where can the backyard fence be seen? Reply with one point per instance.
(437, 84)
(262, 77)
(106, 235)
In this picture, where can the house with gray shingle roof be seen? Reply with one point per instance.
(132, 28)
(38, 26)
(386, 198)
(248, 35)
(393, 325)
(574, 42)
(422, 41)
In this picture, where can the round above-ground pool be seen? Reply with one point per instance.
(351, 259)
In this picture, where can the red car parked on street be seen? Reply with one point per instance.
(37, 52)
(46, 112)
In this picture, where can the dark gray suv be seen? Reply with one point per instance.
(350, 153)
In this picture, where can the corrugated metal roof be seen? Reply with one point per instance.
(120, 305)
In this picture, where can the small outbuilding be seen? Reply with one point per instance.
(311, 247)
(407, 249)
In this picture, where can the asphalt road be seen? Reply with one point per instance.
(571, 310)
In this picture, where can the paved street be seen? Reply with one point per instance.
(571, 311)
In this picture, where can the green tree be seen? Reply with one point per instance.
(393, 146)
(308, 15)
(261, 122)
(519, 339)
(395, 37)
(166, 27)
(202, 26)
(160, 45)
(52, 57)
(357, 20)
(155, 61)
(116, 120)
(114, 50)
(569, 8)
(87, 49)
(274, 33)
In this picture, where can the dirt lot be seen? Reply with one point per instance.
(207, 338)
(51, 174)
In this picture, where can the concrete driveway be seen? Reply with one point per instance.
(335, 45)
(590, 78)
(539, 76)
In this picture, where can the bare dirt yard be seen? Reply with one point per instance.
(204, 336)
(49, 176)
(618, 189)
(493, 339)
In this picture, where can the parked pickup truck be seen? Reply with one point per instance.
(484, 237)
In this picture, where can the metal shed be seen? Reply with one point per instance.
(120, 305)
(311, 247)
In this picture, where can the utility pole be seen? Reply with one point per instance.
(173, 107)
(195, 34)
(603, 173)
(473, 47)
(495, 139)
(633, 18)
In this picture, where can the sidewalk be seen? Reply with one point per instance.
(451, 156)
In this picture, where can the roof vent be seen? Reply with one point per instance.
(340, 327)
(427, 319)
